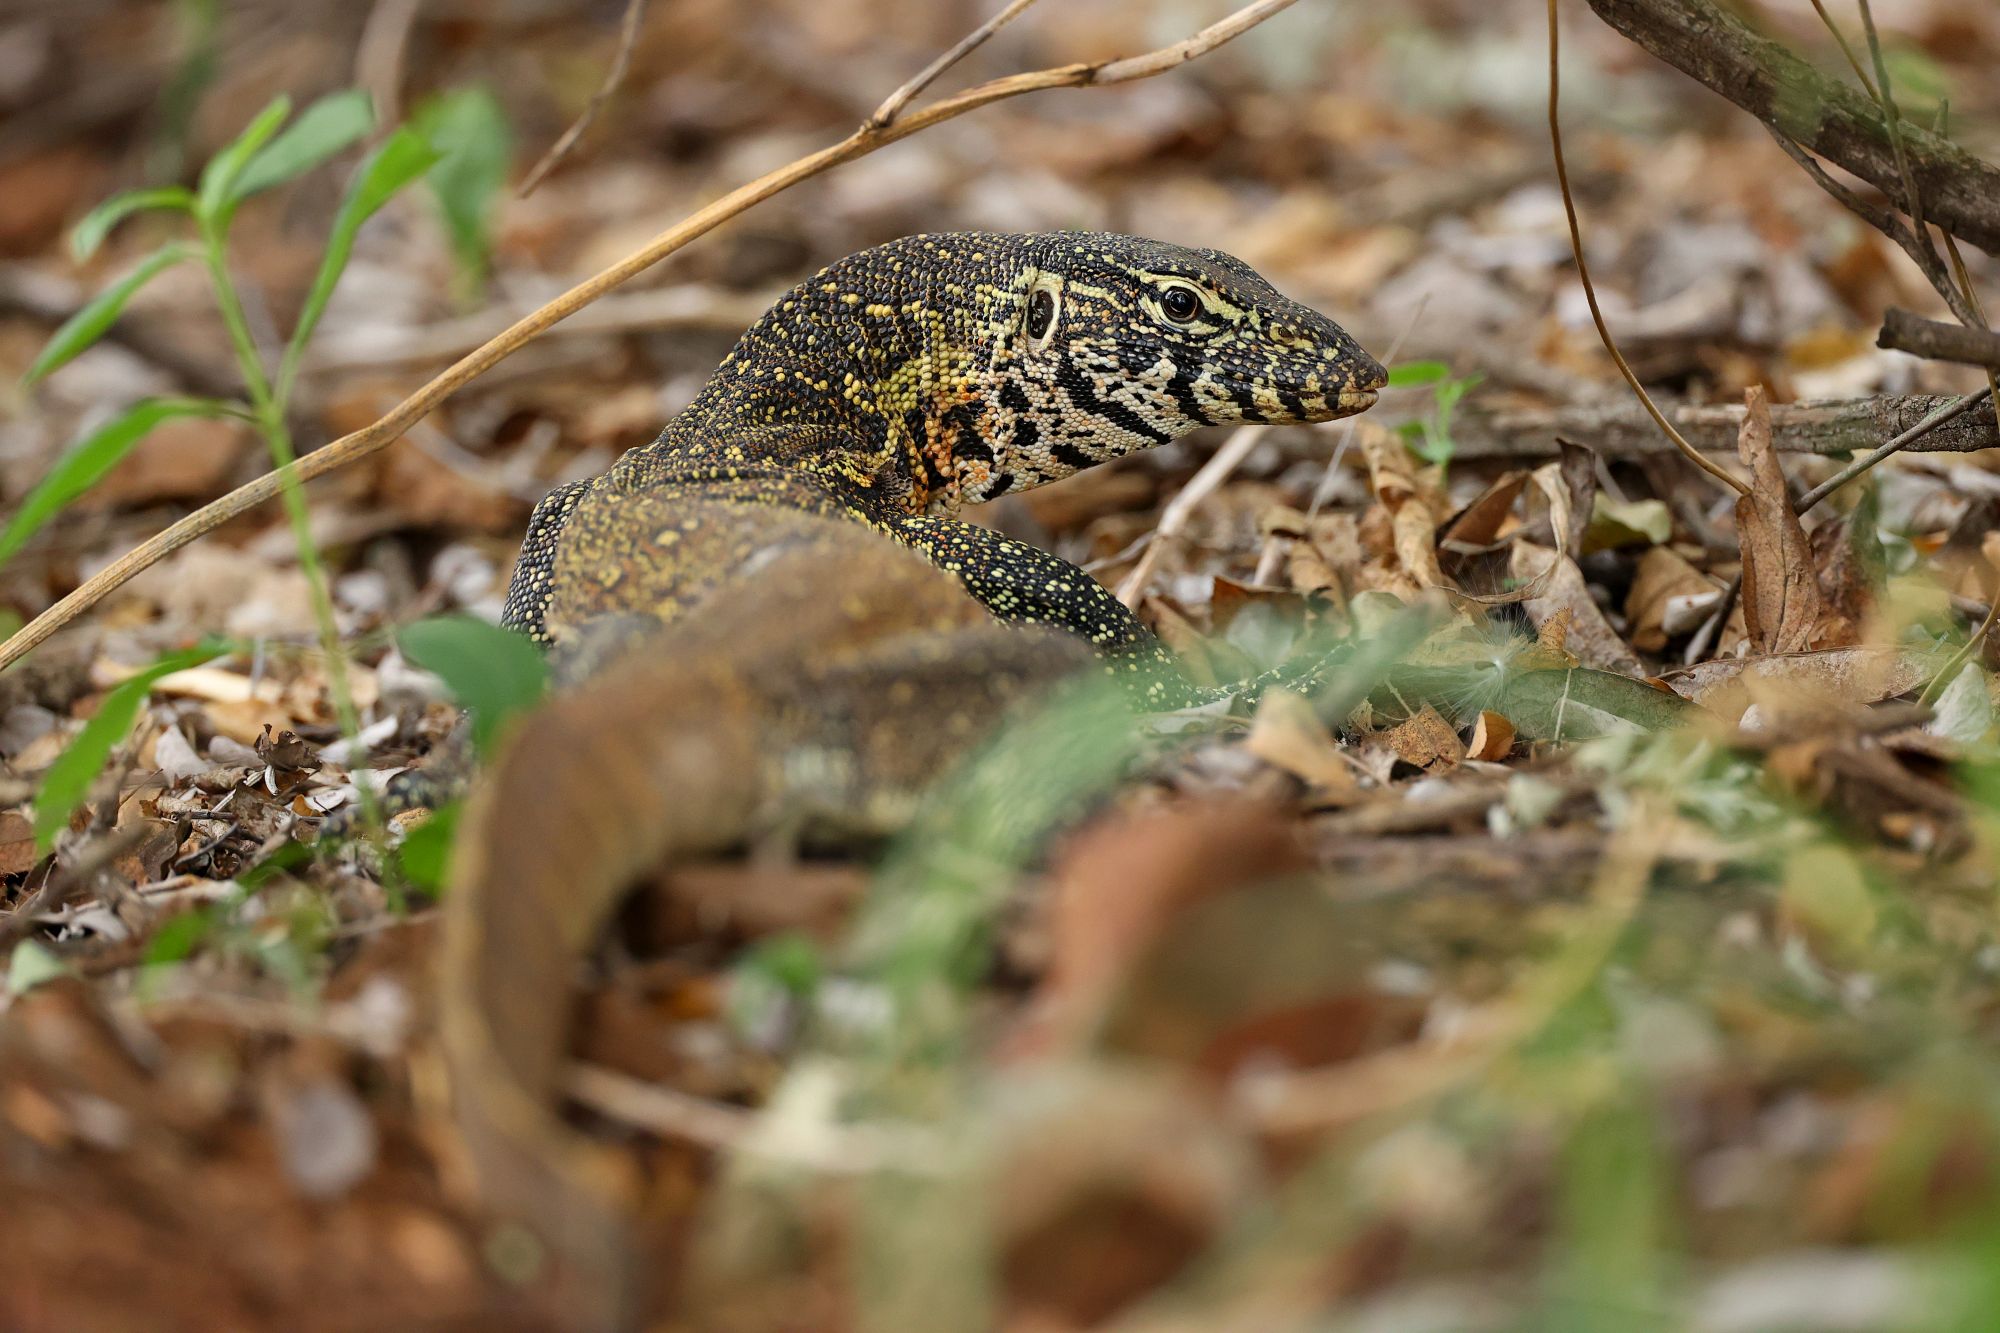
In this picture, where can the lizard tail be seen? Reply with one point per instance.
(593, 790)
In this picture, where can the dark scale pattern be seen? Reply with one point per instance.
(902, 382)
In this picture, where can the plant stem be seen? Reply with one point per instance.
(268, 411)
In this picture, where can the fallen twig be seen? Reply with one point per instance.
(1950, 409)
(1621, 428)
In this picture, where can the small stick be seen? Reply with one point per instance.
(892, 106)
(628, 37)
(1937, 341)
(388, 429)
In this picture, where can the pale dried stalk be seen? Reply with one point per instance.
(407, 413)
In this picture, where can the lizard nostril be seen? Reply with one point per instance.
(1368, 374)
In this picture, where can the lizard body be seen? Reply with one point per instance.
(771, 611)
(907, 380)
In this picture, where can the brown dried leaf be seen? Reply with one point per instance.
(1669, 597)
(1117, 883)
(1479, 524)
(288, 752)
(1553, 634)
(1781, 600)
(1588, 636)
(1492, 738)
(1426, 740)
(1415, 537)
(1307, 570)
(1288, 734)
(1548, 479)
(1389, 467)
(1862, 675)
(17, 844)
(1579, 478)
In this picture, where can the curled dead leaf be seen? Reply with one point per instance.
(1781, 599)
(1492, 738)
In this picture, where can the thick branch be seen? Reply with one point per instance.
(1961, 193)
(1905, 332)
(1621, 429)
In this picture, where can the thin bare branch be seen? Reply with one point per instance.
(1921, 252)
(1896, 445)
(893, 105)
(621, 60)
(1885, 97)
(1688, 451)
(385, 431)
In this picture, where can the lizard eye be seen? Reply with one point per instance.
(1041, 313)
(1180, 304)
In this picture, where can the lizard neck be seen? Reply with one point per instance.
(874, 375)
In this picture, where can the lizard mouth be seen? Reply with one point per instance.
(1351, 401)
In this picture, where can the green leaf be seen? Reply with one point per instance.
(1615, 524)
(87, 325)
(791, 962)
(470, 130)
(426, 850)
(492, 672)
(398, 160)
(1920, 82)
(87, 461)
(99, 221)
(1964, 710)
(1611, 1263)
(1410, 374)
(178, 937)
(219, 178)
(68, 779)
(322, 129)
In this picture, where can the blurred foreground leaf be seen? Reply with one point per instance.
(492, 672)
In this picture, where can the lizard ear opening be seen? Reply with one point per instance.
(1044, 313)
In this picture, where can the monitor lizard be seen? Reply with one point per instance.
(771, 611)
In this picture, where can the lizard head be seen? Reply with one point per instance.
(1115, 343)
